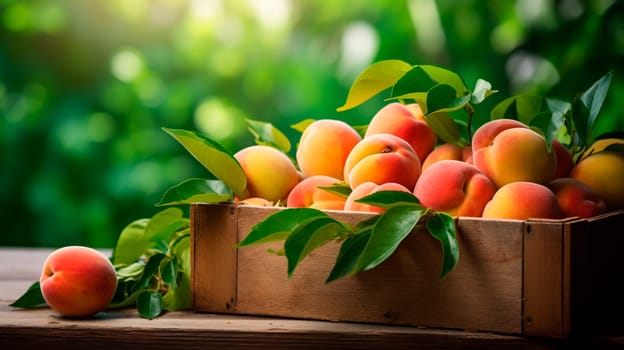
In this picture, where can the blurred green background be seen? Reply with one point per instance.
(85, 86)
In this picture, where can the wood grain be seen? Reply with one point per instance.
(213, 256)
(484, 292)
(41, 328)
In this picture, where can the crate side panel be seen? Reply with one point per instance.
(482, 293)
(543, 279)
(603, 286)
(213, 256)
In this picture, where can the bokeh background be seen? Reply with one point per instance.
(86, 86)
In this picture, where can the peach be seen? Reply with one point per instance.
(270, 173)
(523, 200)
(78, 281)
(601, 145)
(604, 173)
(307, 194)
(366, 188)
(407, 122)
(577, 199)
(382, 158)
(324, 146)
(565, 162)
(454, 187)
(506, 151)
(448, 151)
(257, 201)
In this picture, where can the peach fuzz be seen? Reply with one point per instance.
(77, 281)
(307, 194)
(577, 199)
(448, 151)
(521, 201)
(604, 173)
(270, 173)
(382, 158)
(366, 188)
(506, 151)
(454, 187)
(324, 146)
(406, 122)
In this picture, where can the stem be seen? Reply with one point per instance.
(469, 121)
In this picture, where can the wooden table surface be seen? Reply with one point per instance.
(41, 328)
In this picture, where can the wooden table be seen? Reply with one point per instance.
(123, 329)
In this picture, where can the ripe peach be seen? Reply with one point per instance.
(256, 201)
(604, 173)
(448, 151)
(307, 194)
(78, 281)
(506, 151)
(406, 122)
(366, 188)
(565, 162)
(454, 187)
(382, 158)
(324, 146)
(270, 173)
(600, 145)
(522, 200)
(577, 199)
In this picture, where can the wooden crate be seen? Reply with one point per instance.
(536, 277)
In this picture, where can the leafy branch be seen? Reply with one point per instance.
(152, 263)
(442, 93)
(363, 246)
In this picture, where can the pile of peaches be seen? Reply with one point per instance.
(508, 171)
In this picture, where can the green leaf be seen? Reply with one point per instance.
(416, 80)
(591, 102)
(152, 268)
(541, 122)
(341, 189)
(391, 228)
(268, 135)
(446, 76)
(416, 97)
(278, 225)
(31, 298)
(302, 125)
(131, 244)
(444, 126)
(164, 224)
(168, 272)
(307, 236)
(441, 96)
(442, 227)
(213, 157)
(386, 199)
(196, 190)
(179, 298)
(123, 295)
(350, 252)
(482, 90)
(149, 304)
(520, 107)
(129, 272)
(361, 129)
(373, 80)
